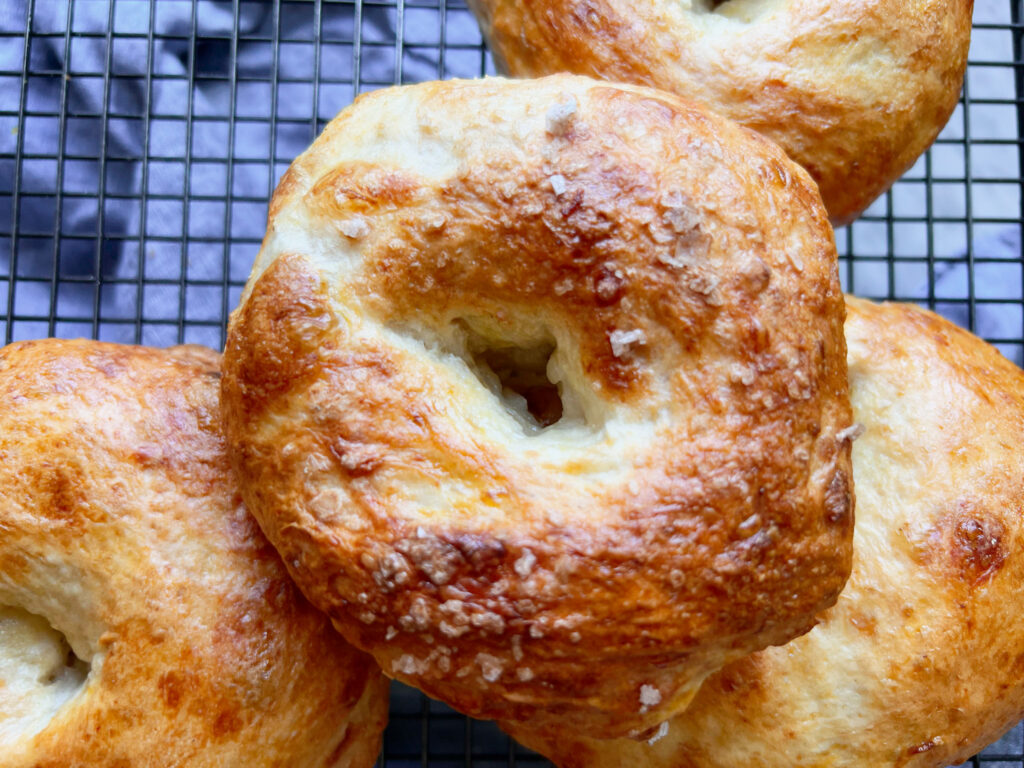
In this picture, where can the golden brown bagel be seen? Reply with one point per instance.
(921, 661)
(124, 543)
(658, 282)
(853, 90)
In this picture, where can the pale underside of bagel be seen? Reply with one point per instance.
(921, 661)
(670, 275)
(853, 90)
(144, 619)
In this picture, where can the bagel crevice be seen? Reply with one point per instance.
(531, 369)
(39, 673)
(519, 373)
(736, 11)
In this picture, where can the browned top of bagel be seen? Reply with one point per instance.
(677, 274)
(121, 529)
(853, 90)
(921, 661)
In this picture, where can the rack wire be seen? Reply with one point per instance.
(140, 142)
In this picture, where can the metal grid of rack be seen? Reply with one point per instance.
(140, 142)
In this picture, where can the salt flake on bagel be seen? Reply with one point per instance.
(500, 435)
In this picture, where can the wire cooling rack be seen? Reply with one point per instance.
(140, 142)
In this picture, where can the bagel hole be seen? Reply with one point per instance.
(707, 6)
(39, 672)
(742, 11)
(525, 387)
(518, 374)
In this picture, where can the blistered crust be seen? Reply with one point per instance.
(921, 661)
(854, 91)
(694, 502)
(122, 529)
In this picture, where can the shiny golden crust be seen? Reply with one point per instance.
(692, 504)
(853, 90)
(921, 661)
(121, 528)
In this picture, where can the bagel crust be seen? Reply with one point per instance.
(920, 663)
(853, 90)
(693, 501)
(124, 541)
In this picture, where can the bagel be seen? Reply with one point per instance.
(539, 388)
(144, 619)
(921, 661)
(854, 90)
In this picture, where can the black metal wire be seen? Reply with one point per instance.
(140, 142)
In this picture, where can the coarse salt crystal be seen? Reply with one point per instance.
(490, 666)
(407, 665)
(850, 433)
(660, 734)
(621, 341)
(563, 286)
(559, 116)
(649, 696)
(524, 565)
(354, 228)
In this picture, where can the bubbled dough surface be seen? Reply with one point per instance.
(921, 661)
(551, 574)
(853, 90)
(124, 535)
